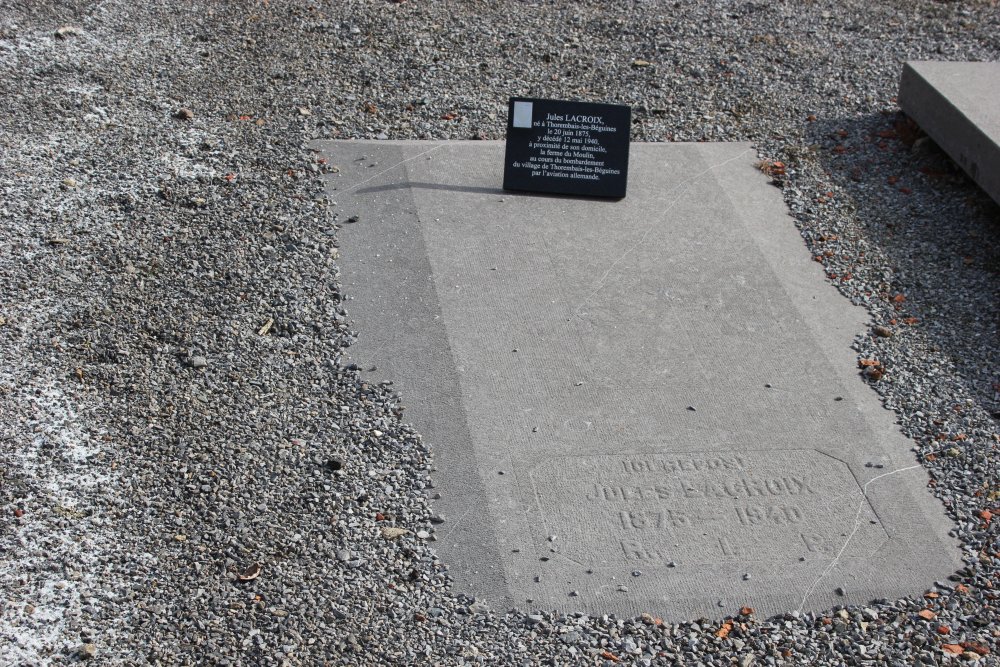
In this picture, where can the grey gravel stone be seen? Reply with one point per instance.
(179, 235)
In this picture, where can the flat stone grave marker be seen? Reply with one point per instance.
(644, 405)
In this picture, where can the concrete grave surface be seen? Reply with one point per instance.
(646, 405)
(958, 105)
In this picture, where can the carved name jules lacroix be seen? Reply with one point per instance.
(741, 487)
(662, 478)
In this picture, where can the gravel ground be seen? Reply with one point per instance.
(190, 475)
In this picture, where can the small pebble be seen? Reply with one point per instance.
(882, 331)
(67, 31)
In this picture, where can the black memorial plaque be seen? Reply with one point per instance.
(572, 148)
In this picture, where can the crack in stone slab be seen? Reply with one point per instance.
(857, 524)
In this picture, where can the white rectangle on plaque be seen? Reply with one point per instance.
(522, 114)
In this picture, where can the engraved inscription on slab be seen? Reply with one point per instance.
(708, 507)
(575, 148)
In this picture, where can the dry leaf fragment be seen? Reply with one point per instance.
(979, 649)
(927, 614)
(724, 631)
(775, 168)
(955, 649)
(874, 373)
(251, 573)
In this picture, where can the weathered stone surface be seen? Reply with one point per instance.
(958, 105)
(551, 350)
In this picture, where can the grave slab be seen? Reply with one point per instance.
(958, 105)
(644, 405)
